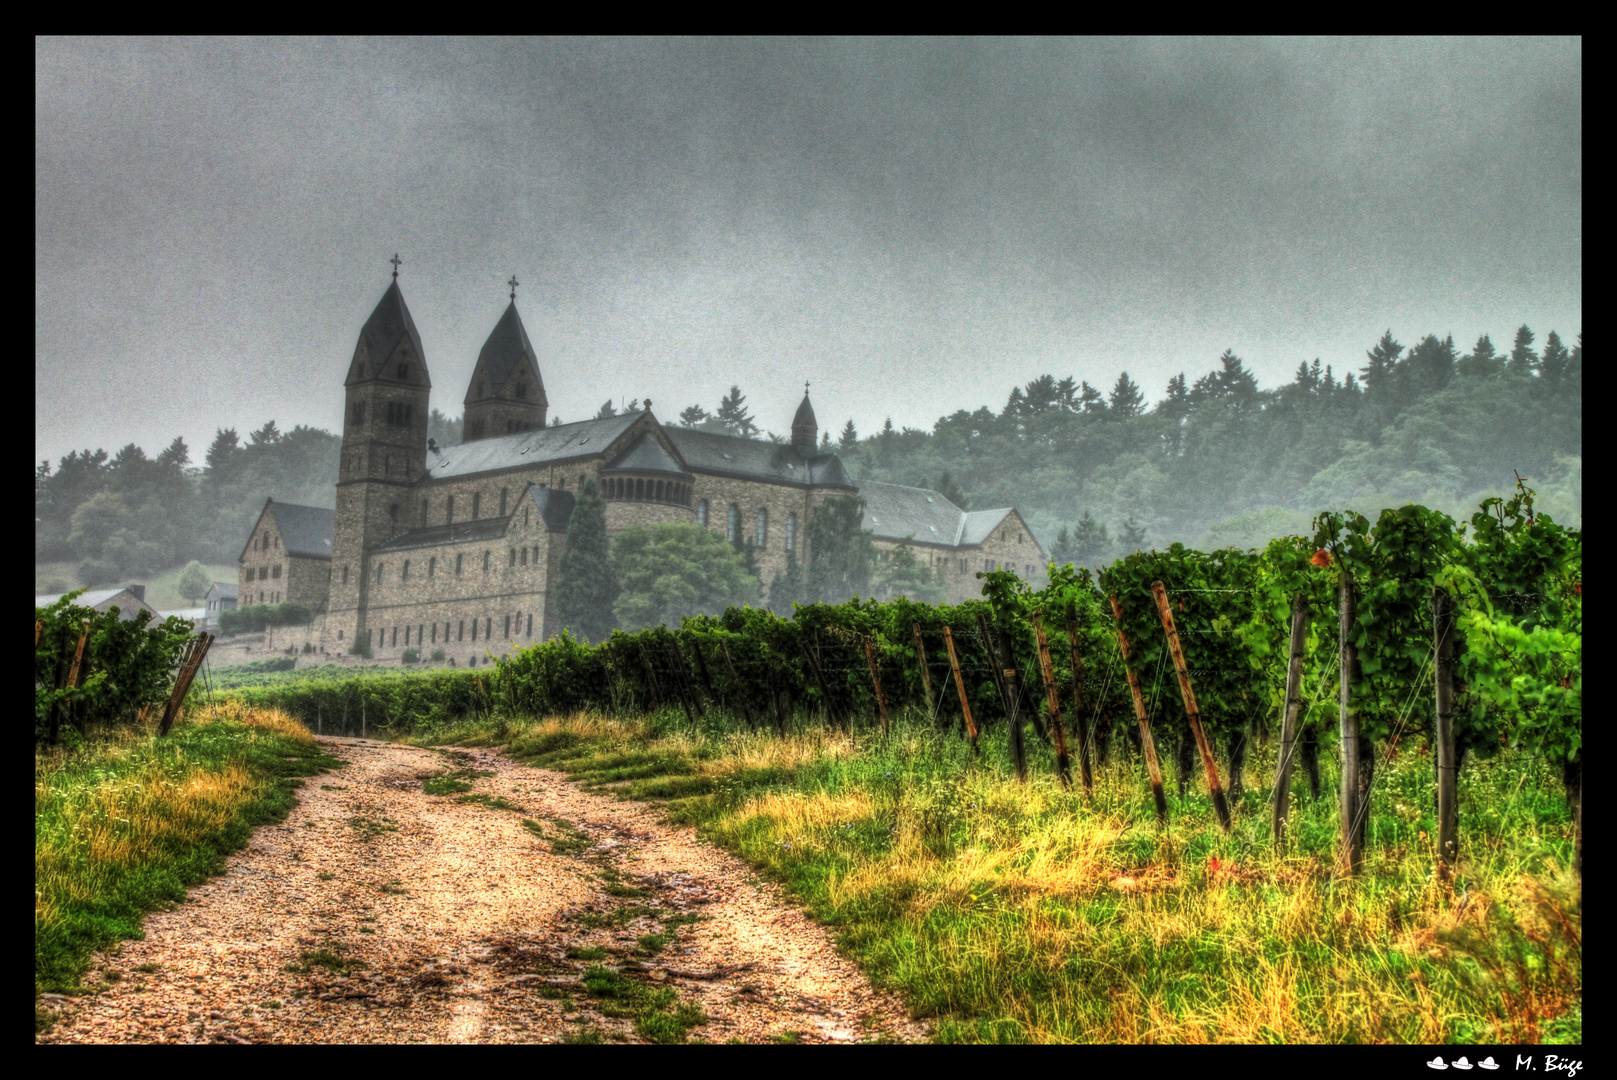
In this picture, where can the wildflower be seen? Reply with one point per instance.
(1321, 558)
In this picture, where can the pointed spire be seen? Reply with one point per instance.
(389, 330)
(805, 428)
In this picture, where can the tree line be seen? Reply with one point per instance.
(1217, 460)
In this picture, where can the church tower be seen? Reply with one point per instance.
(506, 394)
(805, 429)
(384, 451)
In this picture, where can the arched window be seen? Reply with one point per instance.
(513, 556)
(393, 512)
(432, 566)
(791, 531)
(449, 510)
(379, 568)
(503, 493)
(404, 571)
(524, 556)
(732, 524)
(460, 561)
(701, 512)
(477, 504)
(487, 560)
(762, 528)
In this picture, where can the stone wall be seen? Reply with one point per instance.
(749, 496)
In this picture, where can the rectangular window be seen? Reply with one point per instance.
(530, 624)
(524, 556)
(404, 571)
(474, 629)
(486, 561)
(701, 512)
(459, 559)
(488, 628)
(732, 523)
(432, 566)
(503, 492)
(513, 556)
(508, 628)
(435, 633)
(379, 567)
(791, 531)
(762, 528)
(477, 504)
(395, 635)
(406, 635)
(419, 632)
(449, 510)
(461, 636)
(275, 571)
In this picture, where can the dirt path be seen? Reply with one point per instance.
(379, 913)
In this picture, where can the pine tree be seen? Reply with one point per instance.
(1483, 362)
(1061, 550)
(825, 441)
(734, 416)
(1091, 401)
(1131, 537)
(607, 409)
(950, 489)
(849, 439)
(1523, 360)
(692, 416)
(1091, 541)
(585, 587)
(787, 587)
(1556, 362)
(842, 554)
(1126, 400)
(1381, 371)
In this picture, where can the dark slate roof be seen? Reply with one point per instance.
(389, 322)
(893, 512)
(646, 454)
(305, 530)
(555, 506)
(124, 599)
(804, 424)
(433, 535)
(507, 349)
(751, 459)
(225, 590)
(539, 446)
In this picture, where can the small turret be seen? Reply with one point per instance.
(805, 429)
(506, 394)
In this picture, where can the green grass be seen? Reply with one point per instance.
(490, 802)
(1013, 913)
(125, 826)
(658, 1014)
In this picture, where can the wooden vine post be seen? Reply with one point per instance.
(1448, 810)
(735, 681)
(926, 676)
(1080, 730)
(1215, 790)
(72, 682)
(812, 655)
(960, 685)
(875, 680)
(1004, 676)
(1147, 746)
(196, 651)
(1351, 837)
(1063, 765)
(1288, 723)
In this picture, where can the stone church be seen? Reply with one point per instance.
(455, 547)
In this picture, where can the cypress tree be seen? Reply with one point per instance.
(585, 587)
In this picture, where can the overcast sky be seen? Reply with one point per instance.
(915, 226)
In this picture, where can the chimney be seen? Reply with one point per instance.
(139, 591)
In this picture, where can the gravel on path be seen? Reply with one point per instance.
(377, 913)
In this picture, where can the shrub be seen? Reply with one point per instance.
(438, 655)
(411, 656)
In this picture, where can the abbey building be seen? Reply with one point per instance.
(456, 547)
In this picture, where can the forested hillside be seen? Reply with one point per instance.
(1217, 460)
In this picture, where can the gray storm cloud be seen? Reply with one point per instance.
(914, 225)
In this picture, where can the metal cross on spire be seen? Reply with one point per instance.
(513, 283)
(805, 388)
(397, 262)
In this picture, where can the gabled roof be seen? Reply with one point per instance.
(101, 599)
(506, 350)
(752, 459)
(306, 531)
(894, 511)
(389, 322)
(226, 590)
(646, 454)
(555, 510)
(539, 446)
(555, 506)
(434, 535)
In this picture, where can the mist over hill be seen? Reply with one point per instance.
(1216, 460)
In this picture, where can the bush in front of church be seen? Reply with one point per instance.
(669, 571)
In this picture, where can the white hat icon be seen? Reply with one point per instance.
(1488, 1063)
(1462, 1063)
(1436, 1063)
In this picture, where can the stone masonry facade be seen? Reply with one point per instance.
(455, 548)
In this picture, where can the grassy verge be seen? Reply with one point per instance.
(1022, 912)
(125, 825)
